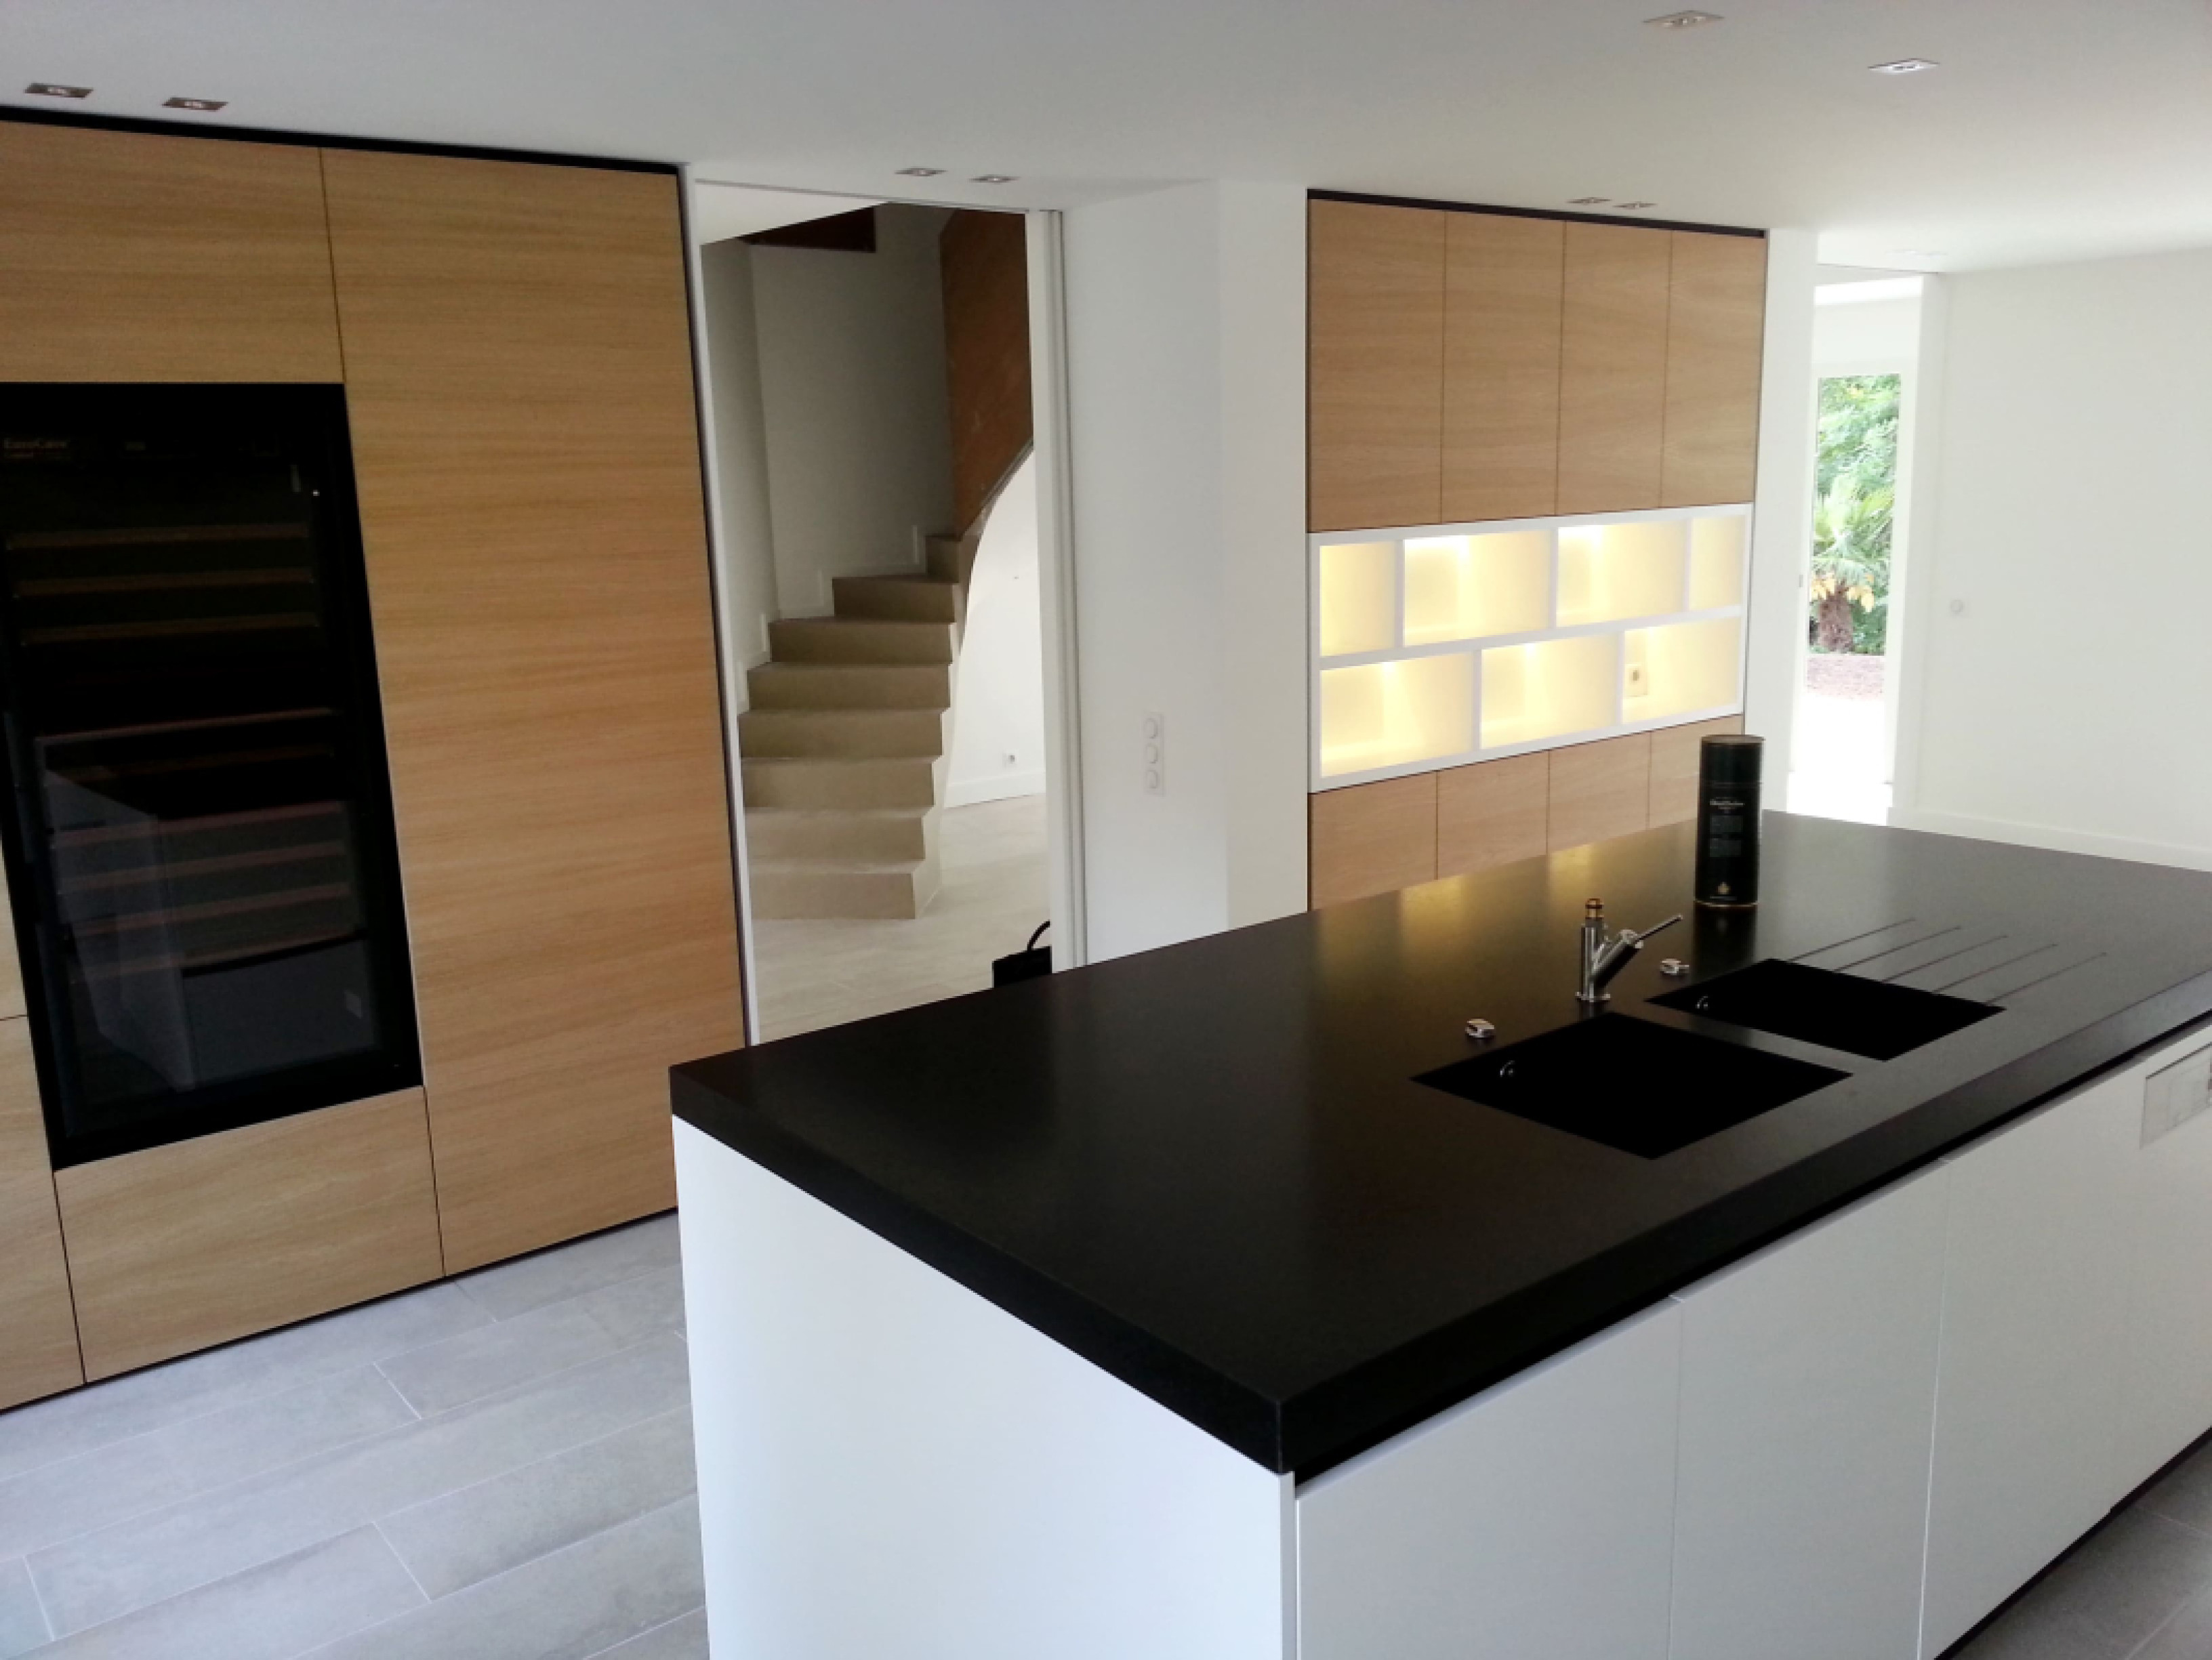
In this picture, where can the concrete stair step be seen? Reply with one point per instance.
(880, 836)
(898, 599)
(847, 734)
(902, 781)
(850, 686)
(859, 640)
(826, 890)
(948, 558)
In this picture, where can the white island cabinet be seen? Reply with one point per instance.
(1531, 1520)
(1808, 1388)
(2034, 1343)
(1850, 1446)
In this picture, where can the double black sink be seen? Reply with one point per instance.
(1650, 1089)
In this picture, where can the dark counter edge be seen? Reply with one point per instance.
(1317, 1431)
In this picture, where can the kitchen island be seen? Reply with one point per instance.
(1162, 1309)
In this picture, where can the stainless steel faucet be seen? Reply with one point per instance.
(1605, 956)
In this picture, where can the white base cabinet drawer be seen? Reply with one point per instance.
(1531, 1521)
(2035, 1330)
(1808, 1394)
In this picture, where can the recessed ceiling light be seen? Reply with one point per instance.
(1683, 19)
(993, 178)
(1905, 66)
(1587, 201)
(919, 173)
(1634, 206)
(49, 89)
(205, 105)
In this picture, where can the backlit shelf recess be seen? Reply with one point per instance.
(1437, 645)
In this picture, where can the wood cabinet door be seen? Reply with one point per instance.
(1716, 343)
(37, 1326)
(182, 1247)
(1534, 1520)
(139, 256)
(1613, 368)
(2029, 1383)
(1808, 1389)
(1493, 813)
(1372, 837)
(1503, 284)
(1375, 364)
(519, 378)
(1675, 751)
(1599, 790)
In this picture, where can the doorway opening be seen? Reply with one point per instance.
(1866, 344)
(869, 390)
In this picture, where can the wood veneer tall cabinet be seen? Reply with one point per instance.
(519, 373)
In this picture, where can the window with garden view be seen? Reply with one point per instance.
(1856, 496)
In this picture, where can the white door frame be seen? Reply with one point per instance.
(1063, 761)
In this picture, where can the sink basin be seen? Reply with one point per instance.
(1642, 1088)
(1837, 1011)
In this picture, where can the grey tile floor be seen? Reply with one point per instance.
(2138, 1589)
(497, 1467)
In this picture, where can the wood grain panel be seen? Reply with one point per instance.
(1716, 343)
(38, 1328)
(983, 262)
(138, 256)
(1504, 285)
(518, 372)
(1493, 813)
(1613, 368)
(1599, 790)
(1375, 364)
(1372, 837)
(1675, 767)
(12, 1006)
(184, 1246)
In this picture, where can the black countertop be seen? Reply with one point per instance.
(1207, 1168)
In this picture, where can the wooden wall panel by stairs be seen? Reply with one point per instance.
(845, 746)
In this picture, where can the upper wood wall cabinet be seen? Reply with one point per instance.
(518, 368)
(1375, 366)
(1716, 343)
(37, 1328)
(1502, 301)
(134, 256)
(1613, 368)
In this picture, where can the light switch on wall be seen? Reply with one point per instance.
(1156, 754)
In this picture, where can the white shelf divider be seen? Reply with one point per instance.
(1384, 728)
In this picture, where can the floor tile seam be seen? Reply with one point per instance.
(210, 1491)
(640, 1636)
(514, 1391)
(513, 1568)
(391, 1384)
(277, 1470)
(542, 1458)
(576, 1296)
(39, 1601)
(384, 1539)
(2179, 1522)
(297, 1547)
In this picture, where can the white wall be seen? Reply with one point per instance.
(1782, 529)
(1187, 425)
(2062, 703)
(997, 694)
(859, 437)
(1852, 337)
(745, 572)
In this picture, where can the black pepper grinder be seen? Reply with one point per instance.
(1729, 769)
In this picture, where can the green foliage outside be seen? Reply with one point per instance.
(1855, 492)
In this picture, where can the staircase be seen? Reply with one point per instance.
(844, 747)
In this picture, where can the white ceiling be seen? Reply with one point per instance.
(2054, 129)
